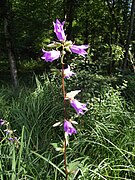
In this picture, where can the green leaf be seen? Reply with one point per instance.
(73, 166)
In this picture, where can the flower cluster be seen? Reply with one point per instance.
(50, 56)
(9, 133)
(54, 54)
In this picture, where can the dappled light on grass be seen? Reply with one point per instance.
(103, 146)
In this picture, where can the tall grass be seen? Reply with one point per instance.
(107, 138)
(104, 147)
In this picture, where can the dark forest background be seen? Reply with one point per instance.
(106, 25)
(31, 101)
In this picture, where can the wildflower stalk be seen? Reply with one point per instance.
(65, 114)
(50, 56)
(65, 159)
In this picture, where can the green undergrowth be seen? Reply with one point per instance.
(104, 147)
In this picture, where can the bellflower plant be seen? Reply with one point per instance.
(79, 107)
(2, 122)
(61, 48)
(79, 49)
(58, 29)
(9, 134)
(12, 139)
(68, 128)
(68, 73)
(50, 56)
(8, 131)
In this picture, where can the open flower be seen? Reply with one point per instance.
(12, 139)
(2, 122)
(58, 29)
(50, 56)
(68, 73)
(8, 131)
(68, 128)
(79, 107)
(79, 49)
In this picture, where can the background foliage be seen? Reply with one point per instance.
(102, 24)
(104, 146)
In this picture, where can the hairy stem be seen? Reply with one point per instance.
(65, 160)
(65, 114)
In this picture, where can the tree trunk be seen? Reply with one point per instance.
(114, 19)
(128, 41)
(10, 52)
(6, 17)
(69, 16)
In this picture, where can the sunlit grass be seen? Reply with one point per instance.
(103, 148)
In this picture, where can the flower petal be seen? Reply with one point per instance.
(79, 107)
(50, 56)
(68, 73)
(72, 94)
(79, 49)
(68, 128)
(2, 122)
(58, 29)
